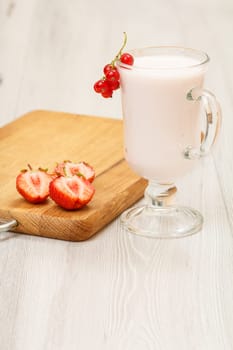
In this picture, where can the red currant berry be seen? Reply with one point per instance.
(101, 86)
(114, 84)
(107, 68)
(126, 58)
(113, 75)
(107, 93)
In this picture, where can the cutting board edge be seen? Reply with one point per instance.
(79, 229)
(43, 111)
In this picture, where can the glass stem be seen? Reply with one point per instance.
(155, 193)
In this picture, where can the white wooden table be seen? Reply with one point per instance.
(117, 291)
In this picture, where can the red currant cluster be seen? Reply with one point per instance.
(111, 79)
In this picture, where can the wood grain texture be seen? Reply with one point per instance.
(43, 138)
(117, 291)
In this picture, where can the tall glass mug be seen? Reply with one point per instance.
(162, 101)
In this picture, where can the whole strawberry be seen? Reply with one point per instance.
(33, 185)
(71, 192)
(68, 168)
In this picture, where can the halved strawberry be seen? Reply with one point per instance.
(71, 192)
(68, 168)
(33, 185)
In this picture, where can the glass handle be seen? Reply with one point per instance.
(213, 122)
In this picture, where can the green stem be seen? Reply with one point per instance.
(120, 51)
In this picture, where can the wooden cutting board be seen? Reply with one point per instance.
(42, 138)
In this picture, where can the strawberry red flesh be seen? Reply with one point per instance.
(71, 192)
(33, 185)
(69, 168)
(86, 170)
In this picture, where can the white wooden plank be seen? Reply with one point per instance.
(15, 23)
(126, 291)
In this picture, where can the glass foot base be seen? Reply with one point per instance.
(162, 222)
